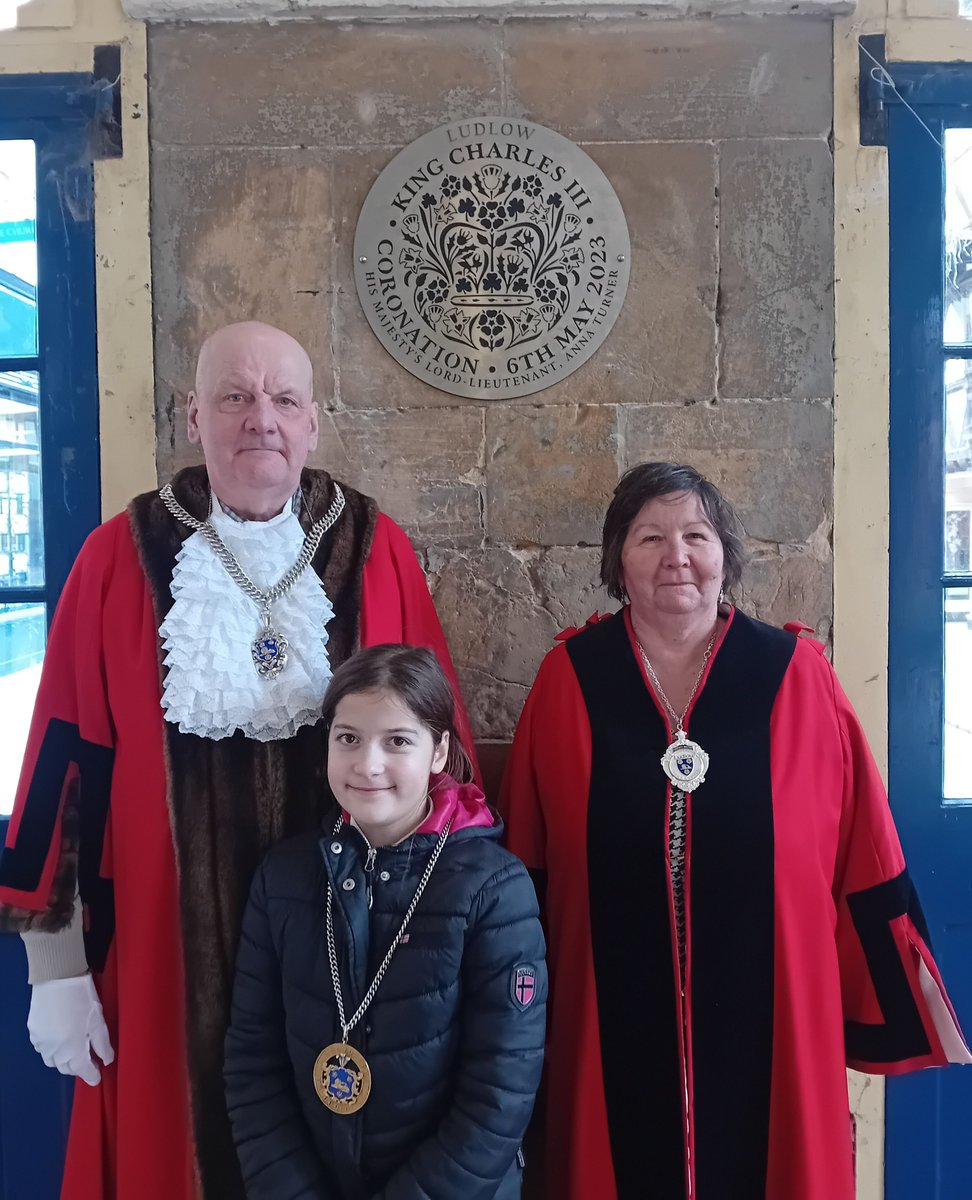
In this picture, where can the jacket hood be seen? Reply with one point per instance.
(463, 802)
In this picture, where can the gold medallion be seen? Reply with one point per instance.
(342, 1078)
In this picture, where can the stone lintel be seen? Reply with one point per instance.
(341, 10)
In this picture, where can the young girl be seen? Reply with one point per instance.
(388, 1017)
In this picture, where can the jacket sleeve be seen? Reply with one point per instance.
(897, 1015)
(500, 1053)
(396, 607)
(273, 1142)
(65, 780)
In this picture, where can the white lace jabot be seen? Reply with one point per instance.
(211, 686)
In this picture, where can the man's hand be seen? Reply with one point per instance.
(66, 1023)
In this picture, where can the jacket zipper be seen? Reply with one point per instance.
(370, 870)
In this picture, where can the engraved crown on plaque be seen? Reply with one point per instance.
(490, 258)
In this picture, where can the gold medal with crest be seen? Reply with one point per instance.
(342, 1078)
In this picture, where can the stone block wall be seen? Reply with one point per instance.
(715, 135)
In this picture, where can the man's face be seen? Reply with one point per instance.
(254, 414)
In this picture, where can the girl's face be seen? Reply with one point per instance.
(379, 759)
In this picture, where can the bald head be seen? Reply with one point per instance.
(244, 341)
(253, 412)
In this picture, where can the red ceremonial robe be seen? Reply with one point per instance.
(98, 715)
(806, 947)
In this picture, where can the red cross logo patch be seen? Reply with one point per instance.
(523, 985)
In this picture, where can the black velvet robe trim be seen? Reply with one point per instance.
(902, 1036)
(80, 771)
(731, 883)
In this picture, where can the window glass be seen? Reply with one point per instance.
(957, 460)
(958, 694)
(23, 633)
(21, 516)
(958, 464)
(18, 249)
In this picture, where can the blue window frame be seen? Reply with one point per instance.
(48, 368)
(56, 113)
(927, 1148)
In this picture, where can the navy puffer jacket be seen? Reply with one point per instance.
(455, 1053)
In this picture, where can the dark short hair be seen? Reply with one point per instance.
(649, 481)
(415, 676)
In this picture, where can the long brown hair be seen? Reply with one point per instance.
(414, 675)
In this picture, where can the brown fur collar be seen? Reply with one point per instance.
(230, 800)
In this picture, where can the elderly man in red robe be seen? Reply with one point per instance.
(176, 736)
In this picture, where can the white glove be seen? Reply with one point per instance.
(66, 1023)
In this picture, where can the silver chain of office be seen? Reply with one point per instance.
(348, 1025)
(269, 649)
(678, 722)
(231, 562)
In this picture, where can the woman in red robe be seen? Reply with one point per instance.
(729, 916)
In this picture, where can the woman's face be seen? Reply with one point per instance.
(672, 557)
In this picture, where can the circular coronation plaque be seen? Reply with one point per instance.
(491, 257)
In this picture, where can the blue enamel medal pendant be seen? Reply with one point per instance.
(342, 1078)
(685, 763)
(269, 650)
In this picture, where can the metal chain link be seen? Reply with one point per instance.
(347, 1026)
(678, 722)
(230, 561)
(678, 807)
(677, 819)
